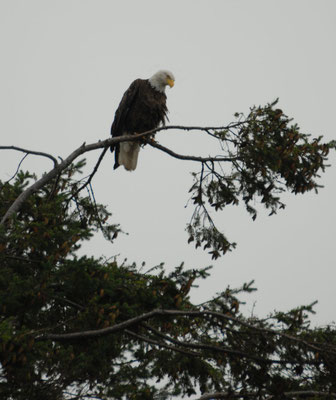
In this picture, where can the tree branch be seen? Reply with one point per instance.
(17, 169)
(201, 128)
(37, 153)
(230, 395)
(95, 169)
(189, 158)
(217, 349)
(162, 344)
(98, 332)
(61, 166)
(305, 393)
(160, 312)
(99, 145)
(226, 395)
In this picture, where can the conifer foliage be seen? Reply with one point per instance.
(77, 327)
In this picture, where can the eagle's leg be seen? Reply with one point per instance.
(148, 139)
(152, 139)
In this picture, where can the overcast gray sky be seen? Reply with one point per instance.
(65, 65)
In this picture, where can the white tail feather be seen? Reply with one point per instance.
(128, 155)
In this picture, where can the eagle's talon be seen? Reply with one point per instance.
(146, 140)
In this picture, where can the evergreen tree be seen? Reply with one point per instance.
(85, 328)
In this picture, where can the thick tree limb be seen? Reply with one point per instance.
(160, 312)
(99, 332)
(63, 165)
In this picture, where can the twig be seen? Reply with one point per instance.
(70, 302)
(37, 153)
(200, 128)
(164, 345)
(190, 158)
(216, 349)
(17, 169)
(95, 169)
(93, 201)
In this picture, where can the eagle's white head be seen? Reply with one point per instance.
(161, 79)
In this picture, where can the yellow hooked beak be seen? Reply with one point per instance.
(170, 82)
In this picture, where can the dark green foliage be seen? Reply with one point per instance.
(265, 154)
(45, 289)
(78, 327)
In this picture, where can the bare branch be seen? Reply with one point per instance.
(189, 158)
(200, 128)
(95, 169)
(99, 332)
(17, 169)
(37, 153)
(99, 145)
(59, 168)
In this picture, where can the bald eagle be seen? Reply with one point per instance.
(142, 108)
